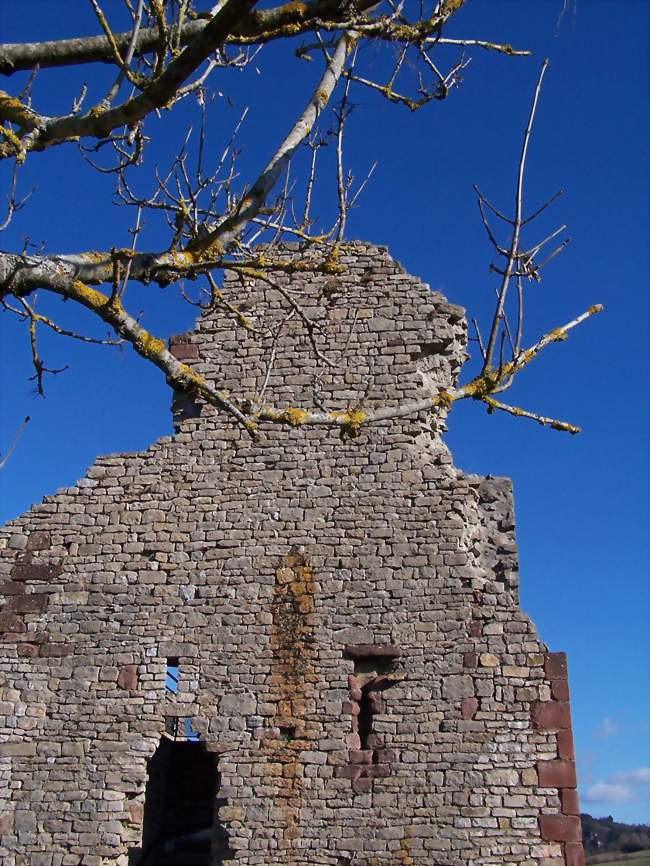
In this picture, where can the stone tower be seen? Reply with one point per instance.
(302, 651)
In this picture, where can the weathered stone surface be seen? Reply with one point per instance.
(569, 799)
(21, 749)
(128, 677)
(39, 540)
(551, 715)
(560, 828)
(555, 666)
(574, 854)
(35, 602)
(343, 613)
(29, 571)
(556, 774)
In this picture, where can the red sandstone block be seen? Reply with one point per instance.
(55, 650)
(551, 715)
(28, 603)
(39, 540)
(560, 828)
(574, 854)
(469, 707)
(353, 741)
(560, 690)
(377, 771)
(349, 772)
(136, 813)
(555, 666)
(565, 744)
(362, 786)
(387, 756)
(184, 351)
(11, 587)
(10, 622)
(556, 774)
(569, 798)
(27, 571)
(475, 628)
(470, 660)
(360, 756)
(128, 677)
(29, 650)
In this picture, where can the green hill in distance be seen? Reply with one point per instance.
(603, 835)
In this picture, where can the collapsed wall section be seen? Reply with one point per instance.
(341, 617)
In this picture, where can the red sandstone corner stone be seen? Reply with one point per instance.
(560, 690)
(551, 715)
(570, 804)
(574, 854)
(560, 828)
(556, 774)
(128, 677)
(555, 666)
(565, 747)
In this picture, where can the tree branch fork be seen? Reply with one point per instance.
(223, 244)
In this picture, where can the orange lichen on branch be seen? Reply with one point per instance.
(351, 420)
(295, 417)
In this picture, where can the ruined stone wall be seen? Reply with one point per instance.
(344, 613)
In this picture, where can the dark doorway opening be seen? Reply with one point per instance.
(180, 826)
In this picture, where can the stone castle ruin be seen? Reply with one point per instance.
(302, 651)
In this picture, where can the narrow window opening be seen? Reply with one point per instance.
(190, 734)
(374, 673)
(172, 726)
(364, 719)
(172, 675)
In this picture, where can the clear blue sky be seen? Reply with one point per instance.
(582, 502)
